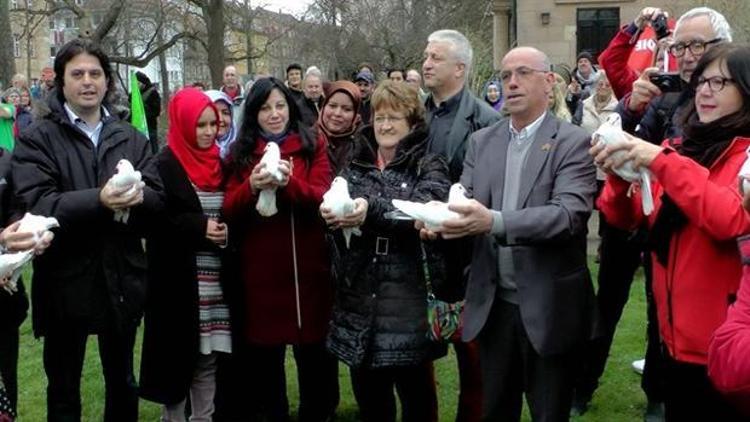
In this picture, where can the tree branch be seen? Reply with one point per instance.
(143, 61)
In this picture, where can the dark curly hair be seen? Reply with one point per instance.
(242, 149)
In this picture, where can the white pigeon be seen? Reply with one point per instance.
(610, 134)
(338, 200)
(125, 176)
(11, 263)
(266, 205)
(745, 173)
(433, 214)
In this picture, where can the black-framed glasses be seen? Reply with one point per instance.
(696, 47)
(522, 72)
(715, 83)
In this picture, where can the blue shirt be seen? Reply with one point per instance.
(92, 133)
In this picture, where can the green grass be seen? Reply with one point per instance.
(619, 397)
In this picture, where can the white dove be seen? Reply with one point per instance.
(266, 205)
(745, 173)
(609, 134)
(433, 214)
(126, 175)
(12, 263)
(338, 200)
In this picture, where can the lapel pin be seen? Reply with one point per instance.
(546, 147)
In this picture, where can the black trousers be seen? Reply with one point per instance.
(317, 378)
(9, 363)
(620, 257)
(373, 390)
(64, 352)
(511, 367)
(690, 396)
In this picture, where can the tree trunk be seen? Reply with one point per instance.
(213, 14)
(7, 58)
(163, 73)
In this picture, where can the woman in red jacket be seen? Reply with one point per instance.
(287, 293)
(698, 214)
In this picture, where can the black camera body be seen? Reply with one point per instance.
(661, 27)
(667, 82)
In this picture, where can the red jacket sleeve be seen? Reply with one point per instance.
(728, 362)
(715, 209)
(621, 210)
(309, 186)
(614, 60)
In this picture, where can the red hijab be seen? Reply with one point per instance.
(203, 166)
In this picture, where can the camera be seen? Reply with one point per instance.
(667, 82)
(661, 28)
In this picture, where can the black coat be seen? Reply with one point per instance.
(95, 266)
(13, 307)
(380, 315)
(171, 336)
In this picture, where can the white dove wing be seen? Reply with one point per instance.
(609, 134)
(432, 214)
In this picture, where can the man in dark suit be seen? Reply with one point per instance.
(529, 296)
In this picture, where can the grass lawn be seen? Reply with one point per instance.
(619, 397)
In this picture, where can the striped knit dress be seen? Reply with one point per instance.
(213, 317)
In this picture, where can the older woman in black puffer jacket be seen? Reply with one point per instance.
(379, 324)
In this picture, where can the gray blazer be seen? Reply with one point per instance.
(547, 233)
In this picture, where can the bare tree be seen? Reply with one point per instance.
(7, 58)
(212, 15)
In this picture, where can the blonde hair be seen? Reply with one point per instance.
(558, 107)
(398, 96)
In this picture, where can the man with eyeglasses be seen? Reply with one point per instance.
(647, 112)
(529, 300)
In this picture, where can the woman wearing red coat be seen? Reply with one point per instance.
(287, 292)
(697, 216)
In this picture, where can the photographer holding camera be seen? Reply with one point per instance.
(650, 107)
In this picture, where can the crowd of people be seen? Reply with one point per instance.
(228, 256)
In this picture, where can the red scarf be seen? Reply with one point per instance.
(203, 166)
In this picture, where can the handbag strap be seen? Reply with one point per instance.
(426, 270)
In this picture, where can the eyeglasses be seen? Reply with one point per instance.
(379, 120)
(715, 83)
(521, 72)
(696, 47)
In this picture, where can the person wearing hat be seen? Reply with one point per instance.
(584, 79)
(365, 82)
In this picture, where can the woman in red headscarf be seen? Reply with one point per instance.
(187, 320)
(338, 121)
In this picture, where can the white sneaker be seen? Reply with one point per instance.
(638, 365)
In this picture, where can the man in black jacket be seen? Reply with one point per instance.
(453, 113)
(92, 279)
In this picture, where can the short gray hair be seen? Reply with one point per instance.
(313, 71)
(718, 21)
(460, 47)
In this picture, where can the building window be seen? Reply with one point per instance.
(70, 22)
(52, 51)
(51, 23)
(16, 46)
(595, 28)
